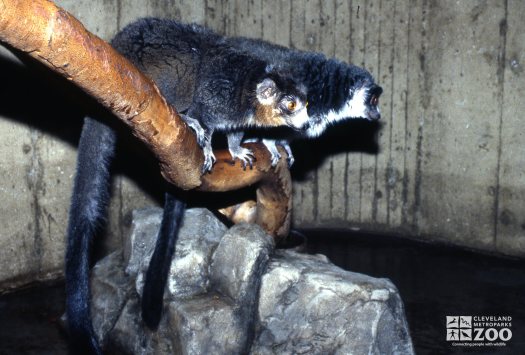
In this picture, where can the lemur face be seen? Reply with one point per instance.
(363, 102)
(372, 103)
(281, 102)
(292, 108)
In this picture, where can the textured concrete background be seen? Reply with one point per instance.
(450, 154)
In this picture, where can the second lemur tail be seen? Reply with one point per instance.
(88, 208)
(159, 266)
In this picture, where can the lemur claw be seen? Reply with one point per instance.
(275, 157)
(288, 150)
(290, 161)
(244, 155)
(209, 160)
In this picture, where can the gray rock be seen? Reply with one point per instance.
(236, 269)
(207, 324)
(199, 235)
(232, 296)
(131, 336)
(141, 241)
(308, 305)
(110, 288)
(239, 262)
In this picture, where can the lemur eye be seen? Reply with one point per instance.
(374, 101)
(292, 105)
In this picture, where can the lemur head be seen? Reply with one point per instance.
(280, 101)
(362, 101)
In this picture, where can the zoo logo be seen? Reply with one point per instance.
(462, 329)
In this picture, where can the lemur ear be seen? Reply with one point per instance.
(266, 91)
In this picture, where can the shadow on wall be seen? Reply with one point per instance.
(35, 96)
(355, 135)
(32, 95)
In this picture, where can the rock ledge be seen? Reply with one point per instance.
(229, 292)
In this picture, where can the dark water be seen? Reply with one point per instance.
(29, 321)
(434, 281)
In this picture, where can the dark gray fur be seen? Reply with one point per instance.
(214, 85)
(329, 83)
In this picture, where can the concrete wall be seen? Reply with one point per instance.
(451, 158)
(446, 164)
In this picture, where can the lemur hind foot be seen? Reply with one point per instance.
(197, 128)
(209, 158)
(204, 141)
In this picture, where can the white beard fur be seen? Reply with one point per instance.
(354, 108)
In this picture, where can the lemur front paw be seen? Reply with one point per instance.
(290, 160)
(209, 160)
(275, 157)
(245, 156)
(197, 128)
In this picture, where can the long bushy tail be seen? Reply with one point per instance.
(159, 266)
(89, 201)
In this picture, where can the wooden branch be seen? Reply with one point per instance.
(274, 192)
(55, 38)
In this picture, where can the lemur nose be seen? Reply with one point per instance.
(374, 115)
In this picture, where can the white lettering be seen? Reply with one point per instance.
(505, 334)
(478, 334)
(491, 334)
